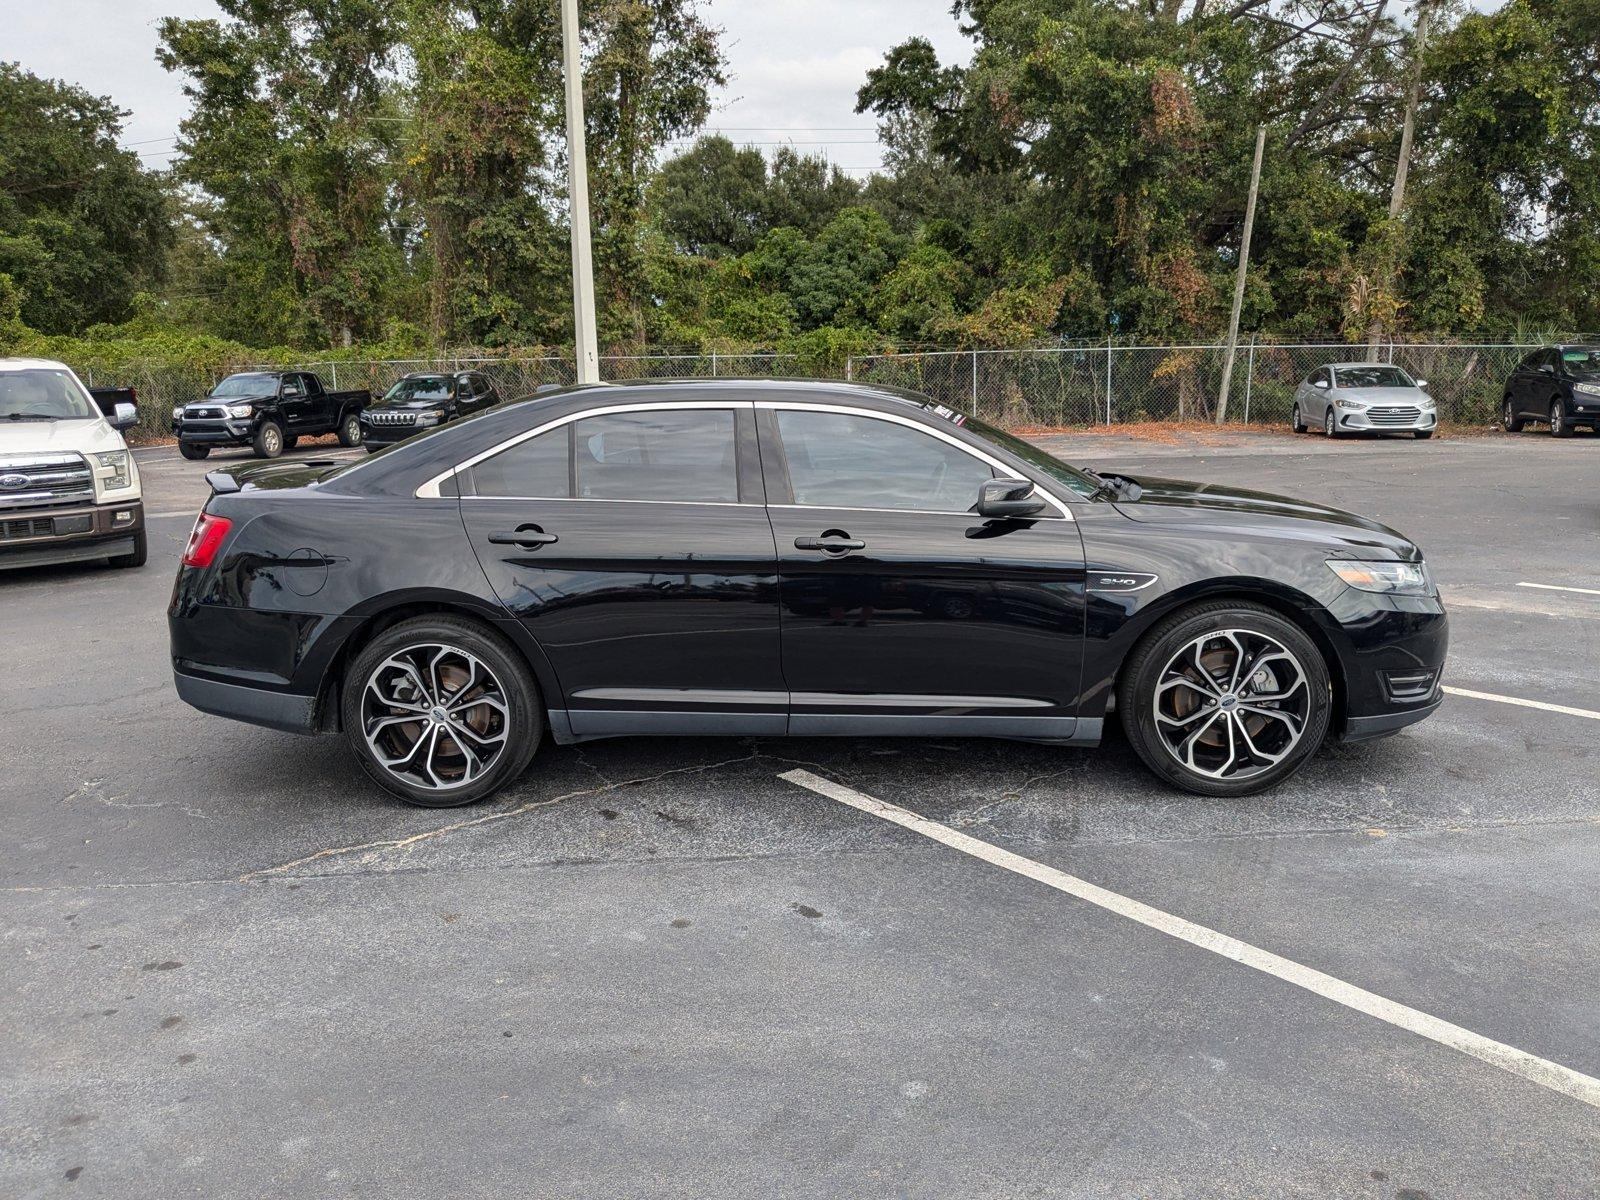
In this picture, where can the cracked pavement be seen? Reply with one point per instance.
(232, 968)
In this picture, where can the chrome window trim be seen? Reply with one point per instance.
(430, 489)
(612, 500)
(1006, 471)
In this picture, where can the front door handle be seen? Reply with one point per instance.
(527, 536)
(833, 541)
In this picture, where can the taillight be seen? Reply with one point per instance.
(205, 540)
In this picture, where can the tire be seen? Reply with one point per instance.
(447, 656)
(268, 442)
(350, 430)
(1328, 427)
(193, 452)
(1559, 425)
(1422, 435)
(141, 551)
(1295, 423)
(1509, 419)
(1184, 746)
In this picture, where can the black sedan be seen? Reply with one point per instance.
(1555, 384)
(422, 401)
(770, 558)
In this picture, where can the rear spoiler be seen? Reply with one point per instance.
(221, 482)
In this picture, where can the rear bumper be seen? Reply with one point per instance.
(257, 706)
(62, 535)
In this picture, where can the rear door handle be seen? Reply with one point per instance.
(830, 543)
(528, 536)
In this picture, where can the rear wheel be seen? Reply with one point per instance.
(440, 711)
(191, 451)
(268, 442)
(136, 557)
(1559, 425)
(1225, 699)
(1509, 418)
(350, 431)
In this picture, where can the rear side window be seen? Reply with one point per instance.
(670, 454)
(837, 460)
(538, 468)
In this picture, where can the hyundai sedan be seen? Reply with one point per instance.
(761, 559)
(1364, 398)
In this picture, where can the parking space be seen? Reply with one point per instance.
(660, 968)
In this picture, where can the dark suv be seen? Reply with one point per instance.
(1558, 384)
(424, 401)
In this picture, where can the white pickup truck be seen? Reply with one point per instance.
(69, 488)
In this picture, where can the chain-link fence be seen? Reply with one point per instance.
(1081, 384)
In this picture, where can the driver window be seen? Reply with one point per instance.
(838, 460)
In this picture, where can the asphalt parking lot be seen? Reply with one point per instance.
(234, 968)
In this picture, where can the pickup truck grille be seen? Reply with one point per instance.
(391, 418)
(204, 413)
(44, 481)
(1402, 415)
(26, 527)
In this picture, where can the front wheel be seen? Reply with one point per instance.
(440, 711)
(136, 557)
(350, 431)
(1295, 423)
(1328, 426)
(1559, 425)
(268, 442)
(1509, 419)
(1225, 699)
(192, 452)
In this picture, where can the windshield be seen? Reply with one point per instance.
(1581, 360)
(1050, 465)
(1371, 377)
(246, 385)
(420, 387)
(41, 394)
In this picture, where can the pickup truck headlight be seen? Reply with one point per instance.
(240, 410)
(177, 413)
(116, 461)
(1587, 389)
(1349, 402)
(1390, 578)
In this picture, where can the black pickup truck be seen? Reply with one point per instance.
(268, 411)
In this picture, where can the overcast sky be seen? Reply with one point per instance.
(796, 64)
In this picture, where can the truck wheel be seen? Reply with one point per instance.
(268, 442)
(190, 451)
(141, 551)
(350, 431)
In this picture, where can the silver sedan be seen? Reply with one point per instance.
(1364, 397)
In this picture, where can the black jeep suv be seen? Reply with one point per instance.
(424, 401)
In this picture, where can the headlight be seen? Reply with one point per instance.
(116, 461)
(432, 417)
(1348, 402)
(1588, 389)
(177, 414)
(240, 410)
(1392, 578)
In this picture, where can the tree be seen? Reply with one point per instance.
(712, 199)
(83, 227)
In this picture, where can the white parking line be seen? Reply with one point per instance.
(1521, 703)
(1508, 1058)
(1557, 587)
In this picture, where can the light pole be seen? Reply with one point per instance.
(583, 328)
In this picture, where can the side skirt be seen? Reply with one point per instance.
(570, 726)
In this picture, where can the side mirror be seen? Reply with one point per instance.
(1007, 498)
(1321, 383)
(1422, 383)
(124, 416)
(1547, 368)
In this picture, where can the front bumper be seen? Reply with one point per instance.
(1386, 420)
(1392, 657)
(211, 431)
(79, 533)
(388, 435)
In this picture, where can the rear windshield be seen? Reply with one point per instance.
(246, 385)
(1371, 377)
(42, 394)
(428, 387)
